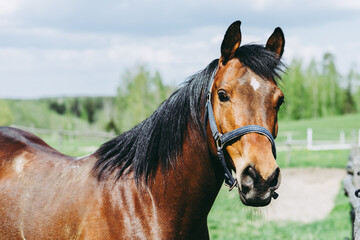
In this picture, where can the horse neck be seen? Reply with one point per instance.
(176, 203)
(192, 185)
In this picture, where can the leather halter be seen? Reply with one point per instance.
(222, 139)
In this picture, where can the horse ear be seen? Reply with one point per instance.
(276, 42)
(231, 42)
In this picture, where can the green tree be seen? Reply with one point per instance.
(75, 107)
(58, 107)
(90, 109)
(6, 116)
(314, 86)
(356, 96)
(139, 94)
(352, 92)
(317, 90)
(295, 92)
(334, 95)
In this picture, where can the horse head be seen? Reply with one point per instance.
(243, 93)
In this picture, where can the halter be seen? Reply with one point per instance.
(222, 139)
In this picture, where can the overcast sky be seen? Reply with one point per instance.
(78, 47)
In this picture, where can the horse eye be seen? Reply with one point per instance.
(280, 102)
(223, 96)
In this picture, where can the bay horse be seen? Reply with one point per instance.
(159, 179)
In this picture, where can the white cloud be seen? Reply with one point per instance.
(175, 57)
(346, 4)
(77, 44)
(319, 5)
(8, 7)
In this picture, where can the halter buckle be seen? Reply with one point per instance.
(233, 186)
(217, 139)
(208, 96)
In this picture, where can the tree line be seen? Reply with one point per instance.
(311, 91)
(319, 90)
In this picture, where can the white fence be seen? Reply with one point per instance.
(317, 145)
(290, 143)
(66, 132)
(61, 134)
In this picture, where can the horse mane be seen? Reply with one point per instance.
(261, 61)
(158, 140)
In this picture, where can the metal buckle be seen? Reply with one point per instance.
(231, 187)
(217, 139)
(234, 185)
(208, 96)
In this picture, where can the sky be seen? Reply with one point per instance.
(78, 47)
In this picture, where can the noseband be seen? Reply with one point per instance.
(222, 139)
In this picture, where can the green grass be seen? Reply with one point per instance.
(36, 113)
(73, 146)
(306, 158)
(323, 128)
(229, 219)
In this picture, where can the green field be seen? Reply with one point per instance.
(73, 146)
(323, 129)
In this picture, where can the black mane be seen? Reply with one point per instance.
(158, 140)
(260, 60)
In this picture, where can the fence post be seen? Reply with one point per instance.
(342, 137)
(309, 138)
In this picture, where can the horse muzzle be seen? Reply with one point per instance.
(256, 191)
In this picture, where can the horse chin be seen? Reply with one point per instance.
(256, 200)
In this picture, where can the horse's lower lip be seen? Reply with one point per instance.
(261, 203)
(242, 198)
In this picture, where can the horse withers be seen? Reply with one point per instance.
(158, 180)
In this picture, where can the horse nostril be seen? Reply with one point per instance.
(245, 189)
(252, 172)
(249, 172)
(273, 180)
(248, 177)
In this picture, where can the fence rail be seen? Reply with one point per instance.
(352, 189)
(61, 134)
(287, 145)
(318, 145)
(66, 132)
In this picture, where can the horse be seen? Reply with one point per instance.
(160, 179)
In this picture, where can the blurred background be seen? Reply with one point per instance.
(76, 73)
